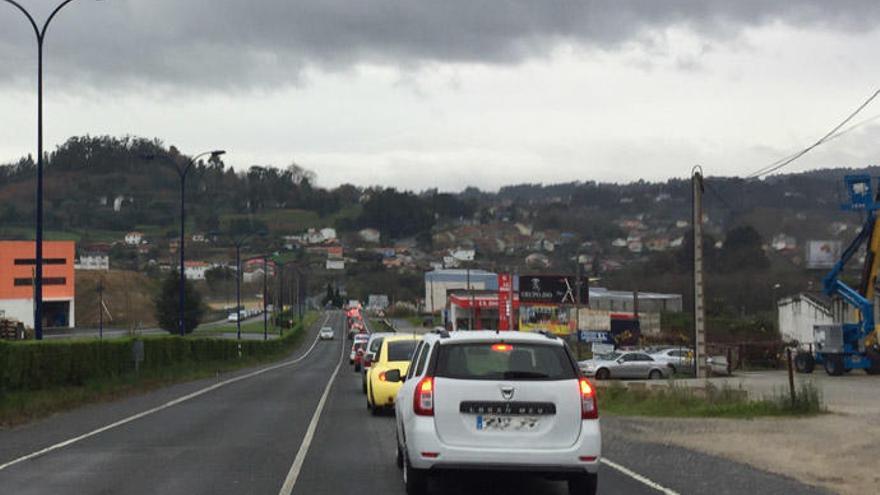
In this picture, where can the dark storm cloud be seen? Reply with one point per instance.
(263, 43)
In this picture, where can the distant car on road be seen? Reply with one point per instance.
(326, 333)
(394, 354)
(632, 364)
(509, 402)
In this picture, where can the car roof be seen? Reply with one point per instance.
(492, 336)
(400, 337)
(380, 335)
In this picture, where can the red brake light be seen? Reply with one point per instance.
(423, 399)
(589, 405)
(502, 347)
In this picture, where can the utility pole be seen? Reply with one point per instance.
(699, 308)
(577, 305)
(471, 294)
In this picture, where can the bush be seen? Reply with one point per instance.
(37, 365)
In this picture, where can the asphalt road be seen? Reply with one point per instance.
(243, 437)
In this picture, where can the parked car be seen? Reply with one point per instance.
(631, 364)
(234, 317)
(395, 353)
(326, 333)
(505, 402)
(679, 359)
(718, 365)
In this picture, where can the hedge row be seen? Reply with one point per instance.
(36, 365)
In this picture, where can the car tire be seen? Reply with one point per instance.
(584, 484)
(399, 459)
(834, 364)
(364, 385)
(874, 356)
(376, 410)
(804, 363)
(603, 374)
(414, 480)
(655, 375)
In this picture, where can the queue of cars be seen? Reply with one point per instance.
(484, 400)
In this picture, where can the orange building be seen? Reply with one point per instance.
(17, 264)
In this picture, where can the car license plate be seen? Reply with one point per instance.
(492, 422)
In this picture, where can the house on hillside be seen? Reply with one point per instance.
(134, 238)
(195, 270)
(370, 235)
(93, 261)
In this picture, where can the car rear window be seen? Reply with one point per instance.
(402, 350)
(497, 361)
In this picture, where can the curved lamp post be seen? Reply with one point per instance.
(182, 173)
(38, 258)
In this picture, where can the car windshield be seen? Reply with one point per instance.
(401, 350)
(493, 361)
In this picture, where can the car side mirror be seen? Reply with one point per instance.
(620, 361)
(393, 376)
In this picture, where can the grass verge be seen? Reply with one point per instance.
(707, 402)
(22, 406)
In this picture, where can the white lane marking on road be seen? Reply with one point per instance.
(156, 409)
(638, 477)
(300, 459)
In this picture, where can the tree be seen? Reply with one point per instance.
(167, 303)
(219, 277)
(742, 250)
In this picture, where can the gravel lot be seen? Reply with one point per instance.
(839, 451)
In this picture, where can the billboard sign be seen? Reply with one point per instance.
(551, 289)
(823, 254)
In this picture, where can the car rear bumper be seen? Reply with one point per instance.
(581, 457)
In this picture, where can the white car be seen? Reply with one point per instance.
(326, 333)
(496, 401)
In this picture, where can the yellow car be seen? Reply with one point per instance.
(394, 354)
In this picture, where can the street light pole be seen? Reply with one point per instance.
(238, 289)
(182, 173)
(38, 258)
(265, 298)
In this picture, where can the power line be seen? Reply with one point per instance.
(833, 133)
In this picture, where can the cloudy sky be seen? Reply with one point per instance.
(452, 93)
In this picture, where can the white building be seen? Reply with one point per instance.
(797, 315)
(437, 282)
(93, 261)
(134, 238)
(370, 235)
(195, 270)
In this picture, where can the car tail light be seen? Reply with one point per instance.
(423, 399)
(589, 406)
(502, 347)
(382, 376)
